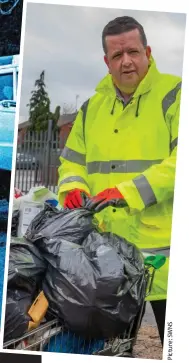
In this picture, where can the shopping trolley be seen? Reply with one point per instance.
(47, 336)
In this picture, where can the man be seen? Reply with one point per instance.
(122, 149)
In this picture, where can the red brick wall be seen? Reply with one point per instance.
(21, 134)
(64, 133)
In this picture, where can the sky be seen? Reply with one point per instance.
(65, 41)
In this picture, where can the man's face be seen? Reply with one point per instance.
(127, 59)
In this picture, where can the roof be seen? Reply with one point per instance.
(23, 125)
(66, 119)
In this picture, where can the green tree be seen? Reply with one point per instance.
(55, 117)
(39, 107)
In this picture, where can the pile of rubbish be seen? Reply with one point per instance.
(63, 266)
(4, 206)
(3, 237)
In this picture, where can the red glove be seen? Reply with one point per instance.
(109, 197)
(75, 199)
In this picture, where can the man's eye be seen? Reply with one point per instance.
(117, 55)
(133, 51)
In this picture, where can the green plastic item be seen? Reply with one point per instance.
(155, 261)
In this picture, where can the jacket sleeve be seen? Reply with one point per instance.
(72, 170)
(156, 184)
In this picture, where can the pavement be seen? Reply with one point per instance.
(149, 318)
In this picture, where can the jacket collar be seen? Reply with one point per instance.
(107, 87)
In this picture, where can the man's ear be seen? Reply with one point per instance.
(107, 62)
(148, 52)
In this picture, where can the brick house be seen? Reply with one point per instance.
(22, 128)
(64, 124)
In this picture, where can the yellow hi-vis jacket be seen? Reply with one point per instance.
(134, 149)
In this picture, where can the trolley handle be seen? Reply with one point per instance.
(156, 261)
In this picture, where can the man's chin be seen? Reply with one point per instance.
(129, 83)
(128, 88)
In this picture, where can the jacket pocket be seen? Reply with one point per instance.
(158, 216)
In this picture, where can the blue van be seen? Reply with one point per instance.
(9, 67)
(8, 90)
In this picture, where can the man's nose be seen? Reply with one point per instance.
(126, 60)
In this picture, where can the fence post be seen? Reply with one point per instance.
(48, 149)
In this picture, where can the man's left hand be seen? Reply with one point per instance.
(108, 197)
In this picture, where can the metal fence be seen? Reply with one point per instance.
(37, 160)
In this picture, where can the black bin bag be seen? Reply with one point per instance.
(96, 288)
(73, 225)
(94, 282)
(27, 266)
(15, 223)
(16, 318)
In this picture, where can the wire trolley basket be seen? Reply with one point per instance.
(52, 336)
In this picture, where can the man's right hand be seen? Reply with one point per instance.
(75, 199)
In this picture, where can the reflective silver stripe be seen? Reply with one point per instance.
(84, 110)
(170, 98)
(72, 179)
(157, 251)
(174, 144)
(120, 166)
(73, 156)
(145, 190)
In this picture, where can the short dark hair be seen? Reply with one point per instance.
(121, 25)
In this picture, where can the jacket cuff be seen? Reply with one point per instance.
(132, 196)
